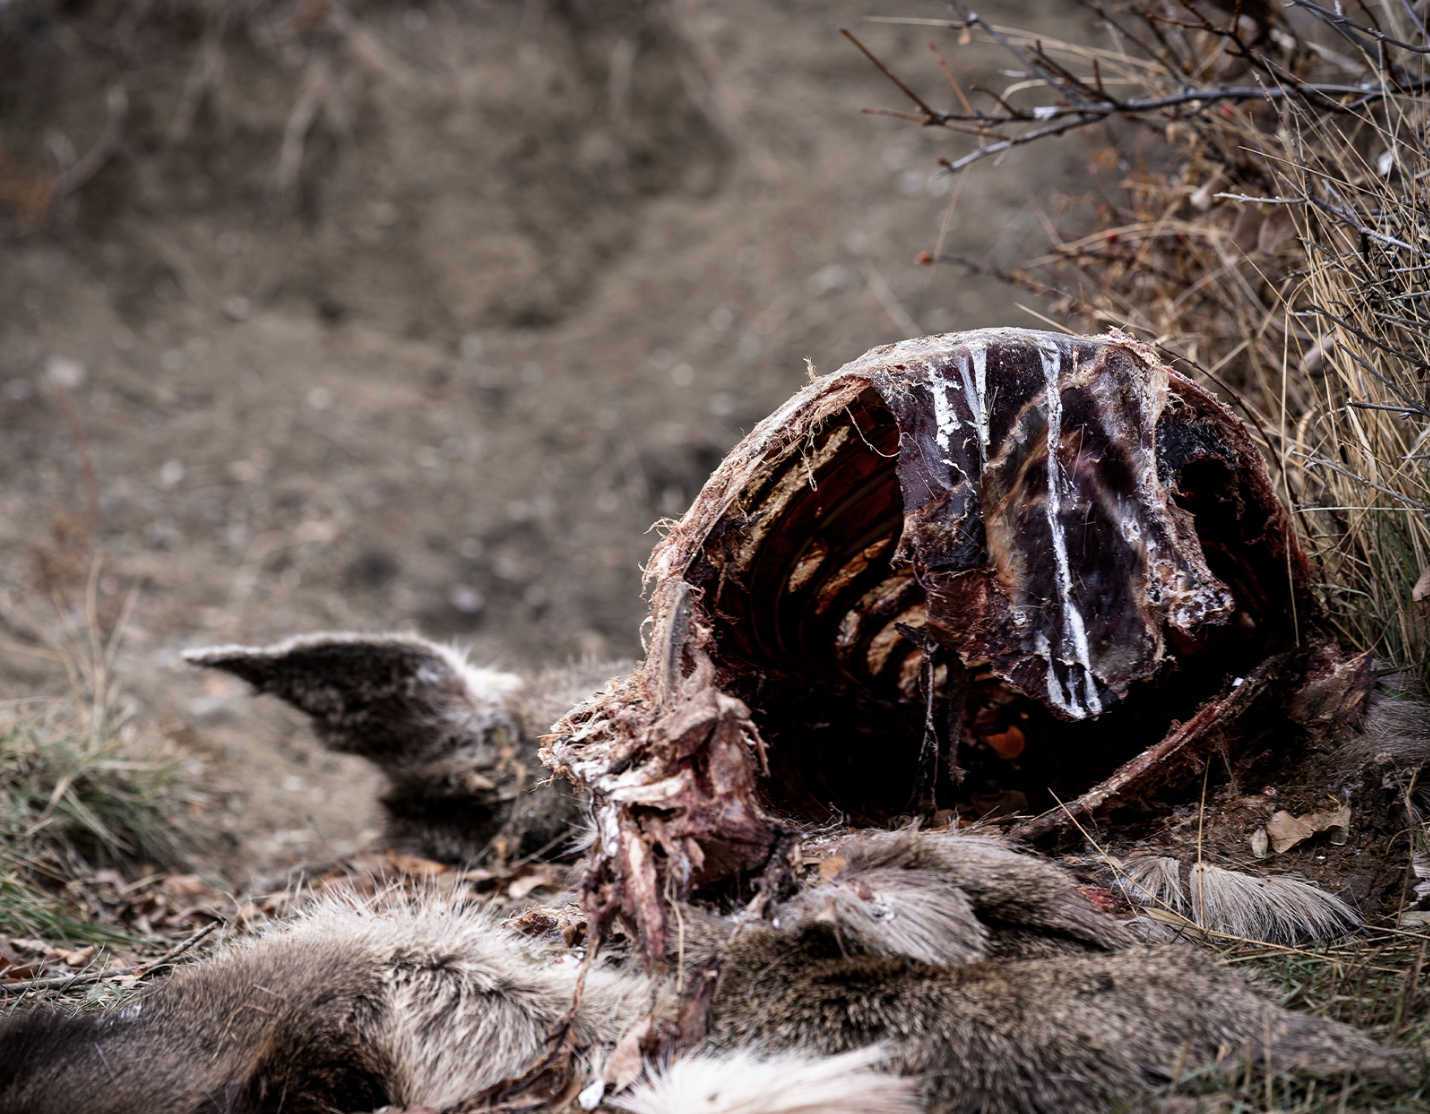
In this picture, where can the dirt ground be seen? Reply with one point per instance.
(418, 317)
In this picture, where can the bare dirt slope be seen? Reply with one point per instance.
(418, 317)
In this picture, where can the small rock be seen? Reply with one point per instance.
(61, 371)
(465, 598)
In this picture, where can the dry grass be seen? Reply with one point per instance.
(1270, 232)
(82, 787)
(1376, 981)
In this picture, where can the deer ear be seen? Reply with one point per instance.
(397, 700)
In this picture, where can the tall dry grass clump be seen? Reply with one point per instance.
(1269, 231)
(82, 785)
(1355, 184)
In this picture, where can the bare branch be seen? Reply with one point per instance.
(64, 982)
(883, 69)
(1345, 24)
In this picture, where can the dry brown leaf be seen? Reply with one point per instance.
(1339, 832)
(1286, 831)
(1008, 744)
(625, 1062)
(829, 868)
(183, 884)
(1422, 587)
(415, 865)
(79, 958)
(530, 879)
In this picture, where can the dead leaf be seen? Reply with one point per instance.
(625, 1062)
(1420, 864)
(829, 869)
(1422, 587)
(416, 866)
(1260, 843)
(1276, 229)
(1204, 197)
(79, 958)
(1340, 831)
(183, 884)
(1286, 831)
(1008, 744)
(530, 879)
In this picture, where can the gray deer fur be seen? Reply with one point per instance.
(943, 972)
(1040, 1004)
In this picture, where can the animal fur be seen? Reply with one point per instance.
(1276, 909)
(1056, 1034)
(1042, 1005)
(745, 1082)
(1397, 729)
(457, 743)
(949, 898)
(347, 1009)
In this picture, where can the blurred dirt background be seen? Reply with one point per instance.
(386, 316)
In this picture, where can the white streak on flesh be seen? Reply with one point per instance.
(943, 413)
(1051, 356)
(979, 351)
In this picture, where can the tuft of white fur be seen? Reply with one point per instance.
(1275, 909)
(744, 1082)
(482, 681)
(1154, 881)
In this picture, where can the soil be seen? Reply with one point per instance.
(418, 316)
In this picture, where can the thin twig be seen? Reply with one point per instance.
(64, 982)
(883, 69)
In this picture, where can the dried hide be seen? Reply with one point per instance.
(985, 571)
